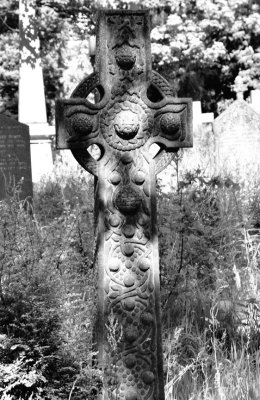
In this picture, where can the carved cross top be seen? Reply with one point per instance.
(135, 109)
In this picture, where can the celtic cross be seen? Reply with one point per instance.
(135, 109)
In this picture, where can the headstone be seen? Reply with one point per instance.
(255, 100)
(202, 155)
(237, 138)
(15, 161)
(32, 107)
(136, 110)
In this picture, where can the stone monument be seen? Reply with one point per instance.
(15, 160)
(32, 108)
(255, 100)
(135, 110)
(237, 141)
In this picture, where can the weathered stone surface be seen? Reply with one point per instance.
(136, 109)
(237, 138)
(15, 161)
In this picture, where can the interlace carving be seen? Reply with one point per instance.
(135, 110)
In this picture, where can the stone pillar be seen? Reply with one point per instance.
(32, 107)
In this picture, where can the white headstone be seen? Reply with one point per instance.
(255, 100)
(237, 136)
(200, 118)
(196, 109)
(32, 107)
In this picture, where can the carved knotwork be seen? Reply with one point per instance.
(136, 108)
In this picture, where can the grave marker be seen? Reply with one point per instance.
(15, 161)
(136, 109)
(255, 100)
(237, 138)
(32, 108)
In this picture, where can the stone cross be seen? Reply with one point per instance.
(135, 109)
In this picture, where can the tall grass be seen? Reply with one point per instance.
(209, 256)
(210, 288)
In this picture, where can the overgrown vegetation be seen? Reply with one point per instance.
(47, 294)
(209, 248)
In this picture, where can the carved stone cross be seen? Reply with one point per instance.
(136, 108)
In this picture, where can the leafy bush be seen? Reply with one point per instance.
(209, 252)
(47, 294)
(209, 270)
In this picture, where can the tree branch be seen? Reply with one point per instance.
(7, 26)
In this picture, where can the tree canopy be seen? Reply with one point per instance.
(207, 49)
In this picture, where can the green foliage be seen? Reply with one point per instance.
(209, 251)
(20, 371)
(211, 373)
(47, 296)
(9, 63)
(9, 56)
(207, 49)
(58, 23)
(63, 28)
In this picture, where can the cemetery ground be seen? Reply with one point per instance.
(209, 231)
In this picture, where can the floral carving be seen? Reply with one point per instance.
(126, 123)
(128, 200)
(171, 126)
(125, 57)
(79, 126)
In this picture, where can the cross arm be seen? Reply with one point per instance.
(173, 124)
(77, 129)
(172, 128)
(76, 123)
